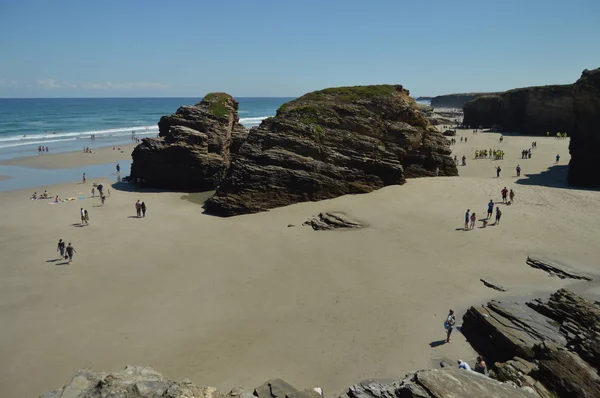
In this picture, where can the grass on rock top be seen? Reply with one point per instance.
(218, 103)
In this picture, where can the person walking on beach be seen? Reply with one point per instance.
(518, 171)
(490, 209)
(93, 192)
(70, 252)
(84, 178)
(504, 193)
(498, 170)
(61, 248)
(449, 324)
(138, 208)
(437, 171)
(511, 195)
(87, 217)
(82, 216)
(118, 168)
(143, 208)
(557, 158)
(473, 219)
(102, 199)
(467, 218)
(498, 215)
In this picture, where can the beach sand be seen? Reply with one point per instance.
(237, 301)
(3, 177)
(67, 160)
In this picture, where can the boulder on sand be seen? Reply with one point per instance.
(194, 147)
(330, 143)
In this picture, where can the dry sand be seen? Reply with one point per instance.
(67, 160)
(237, 301)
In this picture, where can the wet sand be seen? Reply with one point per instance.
(237, 301)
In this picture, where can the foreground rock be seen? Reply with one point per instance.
(585, 137)
(330, 143)
(556, 268)
(437, 383)
(133, 382)
(553, 343)
(331, 220)
(194, 147)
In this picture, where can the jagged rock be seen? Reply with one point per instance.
(133, 382)
(194, 147)
(493, 286)
(556, 267)
(449, 133)
(330, 143)
(531, 110)
(455, 100)
(275, 388)
(331, 220)
(585, 138)
(438, 383)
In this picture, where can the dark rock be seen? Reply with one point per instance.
(138, 382)
(493, 286)
(442, 383)
(531, 110)
(194, 147)
(450, 133)
(276, 388)
(455, 100)
(330, 143)
(585, 137)
(331, 220)
(556, 268)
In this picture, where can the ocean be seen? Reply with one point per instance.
(66, 124)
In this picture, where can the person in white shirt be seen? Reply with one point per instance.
(463, 365)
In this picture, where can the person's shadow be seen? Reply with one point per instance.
(437, 343)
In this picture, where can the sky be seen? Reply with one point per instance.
(151, 48)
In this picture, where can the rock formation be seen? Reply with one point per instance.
(194, 147)
(330, 143)
(455, 100)
(553, 343)
(331, 220)
(531, 110)
(585, 137)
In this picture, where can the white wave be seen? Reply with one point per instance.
(252, 120)
(83, 134)
(46, 142)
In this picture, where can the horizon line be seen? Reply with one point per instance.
(169, 97)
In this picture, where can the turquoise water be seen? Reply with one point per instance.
(66, 124)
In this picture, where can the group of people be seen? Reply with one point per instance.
(140, 209)
(526, 154)
(85, 217)
(100, 189)
(494, 154)
(66, 251)
(559, 136)
(87, 149)
(464, 160)
(43, 149)
(44, 195)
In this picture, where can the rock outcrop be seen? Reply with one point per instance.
(331, 220)
(194, 147)
(330, 143)
(556, 268)
(531, 110)
(585, 137)
(455, 100)
(553, 343)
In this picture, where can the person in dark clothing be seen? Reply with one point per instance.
(138, 208)
(70, 252)
(143, 207)
(498, 215)
(61, 248)
(480, 366)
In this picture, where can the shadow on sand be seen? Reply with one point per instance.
(554, 177)
(131, 187)
(438, 343)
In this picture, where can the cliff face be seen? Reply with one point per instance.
(330, 143)
(455, 100)
(194, 147)
(532, 110)
(584, 169)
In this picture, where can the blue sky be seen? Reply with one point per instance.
(110, 48)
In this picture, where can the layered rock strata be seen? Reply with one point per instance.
(194, 147)
(455, 100)
(330, 143)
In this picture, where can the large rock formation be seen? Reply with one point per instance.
(553, 343)
(585, 138)
(330, 143)
(455, 100)
(194, 147)
(531, 110)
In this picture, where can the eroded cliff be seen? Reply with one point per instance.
(455, 100)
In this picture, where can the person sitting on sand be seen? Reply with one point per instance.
(463, 365)
(480, 365)
(57, 199)
(34, 196)
(45, 195)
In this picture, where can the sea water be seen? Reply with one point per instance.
(67, 124)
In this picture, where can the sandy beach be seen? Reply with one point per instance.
(3, 177)
(237, 301)
(67, 160)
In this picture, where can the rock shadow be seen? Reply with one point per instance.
(132, 187)
(554, 177)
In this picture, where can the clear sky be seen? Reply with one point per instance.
(133, 48)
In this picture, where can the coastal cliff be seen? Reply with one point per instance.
(455, 100)
(330, 143)
(194, 147)
(530, 110)
(585, 139)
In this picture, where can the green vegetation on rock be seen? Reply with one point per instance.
(218, 104)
